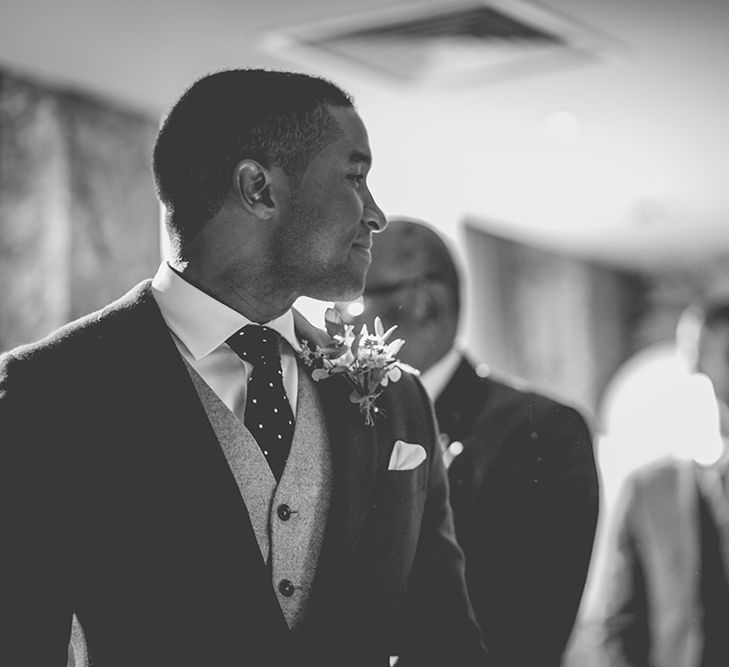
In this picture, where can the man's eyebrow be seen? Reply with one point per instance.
(359, 156)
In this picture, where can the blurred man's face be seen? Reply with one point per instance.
(323, 246)
(394, 305)
(393, 279)
(714, 359)
(392, 287)
(403, 291)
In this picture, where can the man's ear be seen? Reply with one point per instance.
(252, 185)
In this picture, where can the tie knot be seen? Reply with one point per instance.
(256, 344)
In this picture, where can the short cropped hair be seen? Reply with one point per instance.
(276, 118)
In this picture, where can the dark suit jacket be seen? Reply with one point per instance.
(117, 504)
(524, 494)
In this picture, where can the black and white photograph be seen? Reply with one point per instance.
(364, 334)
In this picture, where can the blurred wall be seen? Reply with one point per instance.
(564, 324)
(567, 323)
(79, 220)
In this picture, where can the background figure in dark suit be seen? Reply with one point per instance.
(523, 482)
(664, 593)
(170, 473)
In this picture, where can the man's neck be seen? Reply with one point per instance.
(254, 296)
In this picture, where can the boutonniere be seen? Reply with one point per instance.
(366, 360)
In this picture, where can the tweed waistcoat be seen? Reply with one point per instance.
(288, 519)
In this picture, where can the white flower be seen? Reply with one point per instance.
(367, 361)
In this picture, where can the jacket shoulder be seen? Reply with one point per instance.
(518, 395)
(75, 342)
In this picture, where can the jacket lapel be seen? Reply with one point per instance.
(687, 527)
(482, 414)
(354, 459)
(185, 438)
(459, 403)
(354, 453)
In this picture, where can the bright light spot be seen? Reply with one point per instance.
(455, 448)
(483, 370)
(562, 125)
(655, 408)
(356, 308)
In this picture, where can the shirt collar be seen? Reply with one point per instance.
(436, 377)
(202, 322)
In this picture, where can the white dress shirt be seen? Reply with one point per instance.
(436, 377)
(200, 325)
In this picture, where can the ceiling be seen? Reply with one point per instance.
(624, 156)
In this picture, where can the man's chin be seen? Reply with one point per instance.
(339, 290)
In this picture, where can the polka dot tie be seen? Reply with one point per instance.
(268, 414)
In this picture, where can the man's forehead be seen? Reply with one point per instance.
(353, 134)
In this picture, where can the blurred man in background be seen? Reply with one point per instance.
(664, 598)
(523, 483)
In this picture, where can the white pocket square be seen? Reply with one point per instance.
(406, 456)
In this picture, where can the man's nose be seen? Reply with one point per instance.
(373, 217)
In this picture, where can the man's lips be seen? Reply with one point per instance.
(364, 250)
(364, 244)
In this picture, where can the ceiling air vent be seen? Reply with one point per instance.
(447, 43)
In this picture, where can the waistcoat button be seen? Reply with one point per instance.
(286, 588)
(284, 512)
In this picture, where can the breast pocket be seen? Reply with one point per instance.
(400, 505)
(403, 484)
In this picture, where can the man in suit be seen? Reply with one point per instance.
(172, 477)
(664, 592)
(523, 482)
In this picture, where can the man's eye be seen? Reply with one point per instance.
(356, 178)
